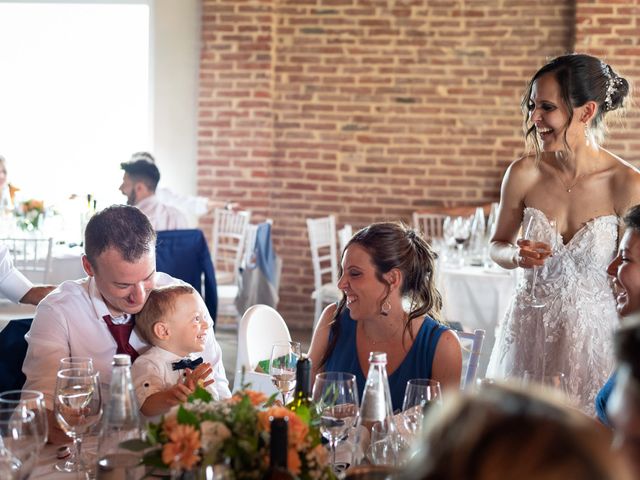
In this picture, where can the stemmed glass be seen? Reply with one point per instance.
(29, 401)
(336, 398)
(461, 233)
(282, 366)
(76, 362)
(419, 394)
(77, 407)
(19, 441)
(534, 235)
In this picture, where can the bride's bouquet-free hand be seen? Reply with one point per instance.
(234, 433)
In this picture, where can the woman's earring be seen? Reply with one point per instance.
(385, 308)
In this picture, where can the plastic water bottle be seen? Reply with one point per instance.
(376, 431)
(121, 421)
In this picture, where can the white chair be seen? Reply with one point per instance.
(229, 234)
(471, 350)
(322, 239)
(260, 327)
(32, 256)
(344, 235)
(430, 224)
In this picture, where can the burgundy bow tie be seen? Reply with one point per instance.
(121, 334)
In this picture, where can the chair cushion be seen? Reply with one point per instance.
(14, 348)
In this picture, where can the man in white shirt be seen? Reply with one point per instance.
(15, 286)
(93, 316)
(139, 184)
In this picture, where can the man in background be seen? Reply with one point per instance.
(139, 183)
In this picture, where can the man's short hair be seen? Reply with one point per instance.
(142, 170)
(160, 302)
(142, 156)
(122, 227)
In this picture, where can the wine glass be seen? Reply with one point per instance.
(336, 398)
(76, 362)
(77, 407)
(534, 235)
(31, 401)
(419, 395)
(461, 233)
(18, 443)
(282, 366)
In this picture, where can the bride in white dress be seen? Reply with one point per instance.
(571, 180)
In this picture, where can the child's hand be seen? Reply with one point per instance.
(177, 394)
(198, 376)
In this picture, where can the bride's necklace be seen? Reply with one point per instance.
(569, 187)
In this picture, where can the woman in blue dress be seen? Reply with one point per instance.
(382, 265)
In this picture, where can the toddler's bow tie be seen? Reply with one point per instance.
(186, 363)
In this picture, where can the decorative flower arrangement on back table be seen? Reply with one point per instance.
(236, 432)
(29, 213)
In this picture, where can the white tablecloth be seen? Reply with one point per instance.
(477, 297)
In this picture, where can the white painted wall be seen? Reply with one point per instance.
(175, 57)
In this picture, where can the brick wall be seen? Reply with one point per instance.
(371, 109)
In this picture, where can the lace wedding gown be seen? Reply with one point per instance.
(573, 332)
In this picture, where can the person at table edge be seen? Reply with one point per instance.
(15, 286)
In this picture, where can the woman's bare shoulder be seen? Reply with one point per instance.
(625, 184)
(523, 171)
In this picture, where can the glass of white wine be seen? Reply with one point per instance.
(77, 407)
(336, 398)
(282, 366)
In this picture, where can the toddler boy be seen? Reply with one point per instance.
(174, 322)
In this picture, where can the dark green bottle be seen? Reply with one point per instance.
(278, 449)
(301, 403)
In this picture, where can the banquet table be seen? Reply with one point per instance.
(476, 297)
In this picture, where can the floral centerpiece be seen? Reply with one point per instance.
(234, 432)
(29, 214)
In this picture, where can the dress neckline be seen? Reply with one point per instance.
(413, 345)
(584, 227)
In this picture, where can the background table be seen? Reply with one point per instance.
(477, 297)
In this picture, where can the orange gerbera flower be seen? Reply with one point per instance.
(256, 398)
(182, 447)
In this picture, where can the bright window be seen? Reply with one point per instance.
(74, 95)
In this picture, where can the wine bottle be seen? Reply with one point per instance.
(301, 404)
(278, 449)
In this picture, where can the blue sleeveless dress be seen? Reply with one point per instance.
(416, 364)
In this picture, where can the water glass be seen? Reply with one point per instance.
(335, 395)
(18, 443)
(32, 401)
(419, 394)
